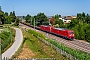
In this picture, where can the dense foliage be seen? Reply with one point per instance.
(28, 18)
(5, 38)
(58, 22)
(81, 26)
(8, 19)
(39, 19)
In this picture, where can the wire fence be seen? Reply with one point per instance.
(30, 59)
(58, 50)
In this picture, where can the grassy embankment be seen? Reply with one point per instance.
(76, 53)
(7, 37)
(35, 48)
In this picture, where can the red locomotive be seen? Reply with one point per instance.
(69, 34)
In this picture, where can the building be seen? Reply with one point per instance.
(51, 20)
(67, 19)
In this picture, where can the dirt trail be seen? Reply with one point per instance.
(26, 52)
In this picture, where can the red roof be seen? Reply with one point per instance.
(51, 19)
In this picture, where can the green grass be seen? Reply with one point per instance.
(7, 38)
(76, 53)
(41, 49)
(7, 24)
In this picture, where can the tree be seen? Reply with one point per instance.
(81, 26)
(13, 13)
(8, 20)
(41, 18)
(6, 14)
(0, 8)
(2, 17)
(5, 18)
(81, 30)
(87, 20)
(28, 18)
(12, 16)
(87, 32)
(59, 15)
(23, 17)
(81, 16)
(16, 22)
(58, 21)
(56, 16)
(73, 23)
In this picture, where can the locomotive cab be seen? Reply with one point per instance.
(71, 35)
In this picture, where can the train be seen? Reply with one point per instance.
(65, 33)
(62, 32)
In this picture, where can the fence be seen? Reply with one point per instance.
(30, 59)
(58, 50)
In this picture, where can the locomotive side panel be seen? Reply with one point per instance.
(59, 31)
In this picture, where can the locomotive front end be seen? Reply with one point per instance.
(71, 35)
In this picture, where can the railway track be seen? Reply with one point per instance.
(72, 44)
(75, 44)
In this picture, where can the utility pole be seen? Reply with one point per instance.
(50, 25)
(34, 23)
(13, 7)
(31, 21)
(49, 21)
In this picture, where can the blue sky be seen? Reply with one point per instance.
(49, 7)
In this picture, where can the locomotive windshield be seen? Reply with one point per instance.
(71, 32)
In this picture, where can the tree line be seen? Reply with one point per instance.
(6, 18)
(80, 25)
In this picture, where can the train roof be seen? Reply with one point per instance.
(61, 28)
(64, 29)
(45, 25)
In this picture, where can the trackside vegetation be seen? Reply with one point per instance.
(7, 38)
(76, 53)
(6, 18)
(38, 48)
(80, 24)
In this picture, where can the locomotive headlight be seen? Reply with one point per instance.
(69, 35)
